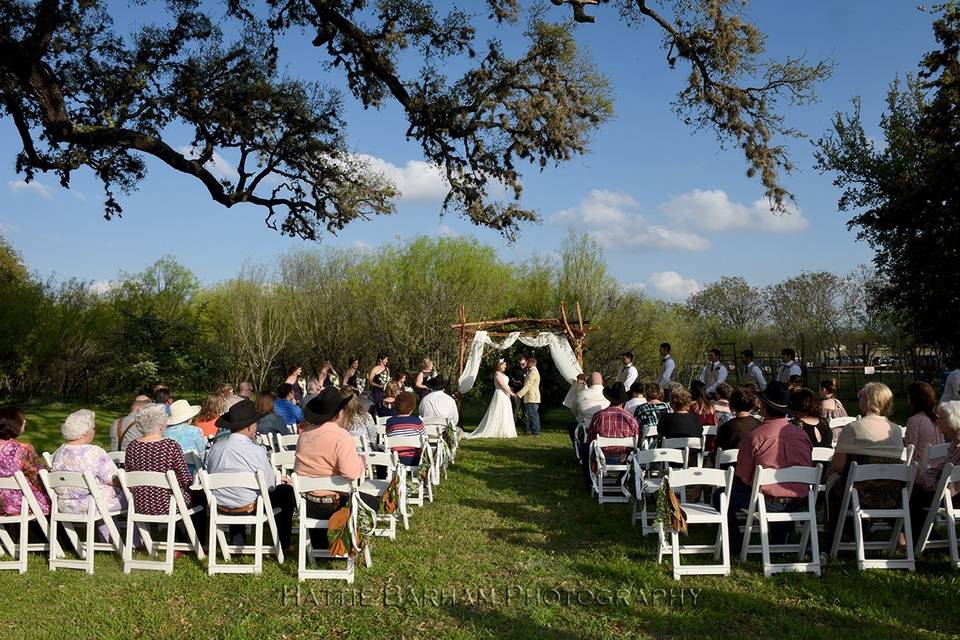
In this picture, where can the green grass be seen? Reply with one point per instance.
(511, 519)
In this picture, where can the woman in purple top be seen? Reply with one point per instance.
(922, 433)
(18, 456)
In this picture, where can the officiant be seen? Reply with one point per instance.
(518, 375)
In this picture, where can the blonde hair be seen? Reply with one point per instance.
(427, 364)
(877, 398)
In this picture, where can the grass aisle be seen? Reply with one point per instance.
(510, 534)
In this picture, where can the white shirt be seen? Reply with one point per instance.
(951, 387)
(754, 372)
(438, 404)
(590, 401)
(666, 370)
(712, 374)
(786, 371)
(631, 405)
(627, 375)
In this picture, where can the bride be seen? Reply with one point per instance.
(498, 420)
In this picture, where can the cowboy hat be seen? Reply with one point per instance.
(182, 411)
(436, 383)
(239, 416)
(776, 396)
(325, 406)
(616, 394)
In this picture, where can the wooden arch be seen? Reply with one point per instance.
(576, 333)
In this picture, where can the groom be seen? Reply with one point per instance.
(530, 394)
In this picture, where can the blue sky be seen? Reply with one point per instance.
(672, 210)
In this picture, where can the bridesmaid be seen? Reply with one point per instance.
(293, 377)
(350, 375)
(426, 373)
(378, 378)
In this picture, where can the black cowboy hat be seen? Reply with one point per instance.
(776, 396)
(324, 406)
(240, 416)
(616, 394)
(436, 383)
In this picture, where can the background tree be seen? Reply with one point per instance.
(730, 309)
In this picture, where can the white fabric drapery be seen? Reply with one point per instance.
(563, 356)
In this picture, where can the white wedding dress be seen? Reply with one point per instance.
(498, 420)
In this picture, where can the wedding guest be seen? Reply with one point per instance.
(437, 403)
(948, 421)
(246, 390)
(179, 429)
(681, 423)
(667, 368)
(387, 407)
(951, 386)
(612, 422)
(713, 373)
(701, 405)
(922, 433)
(648, 414)
(212, 408)
(293, 379)
(420, 382)
(636, 397)
(377, 379)
(752, 372)
(830, 406)
(18, 456)
(350, 374)
(627, 373)
(314, 386)
(591, 399)
(804, 411)
(789, 370)
(269, 422)
(402, 381)
(162, 395)
(229, 397)
(285, 404)
(406, 424)
(125, 430)
(721, 403)
(358, 420)
(743, 402)
(78, 454)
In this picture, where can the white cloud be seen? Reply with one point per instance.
(712, 210)
(673, 285)
(613, 218)
(219, 166)
(635, 286)
(101, 287)
(361, 246)
(443, 231)
(417, 181)
(34, 185)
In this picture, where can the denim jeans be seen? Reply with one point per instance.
(740, 499)
(532, 418)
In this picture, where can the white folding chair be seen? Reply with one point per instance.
(837, 424)
(283, 461)
(606, 476)
(757, 511)
(933, 454)
(177, 512)
(435, 428)
(709, 430)
(97, 511)
(851, 507)
(424, 489)
(382, 420)
(360, 442)
(287, 442)
(379, 486)
(645, 462)
(725, 458)
(942, 511)
(579, 439)
(266, 441)
(906, 456)
(262, 514)
(381, 432)
(292, 428)
(699, 513)
(118, 457)
(648, 437)
(47, 458)
(30, 511)
(339, 484)
(689, 446)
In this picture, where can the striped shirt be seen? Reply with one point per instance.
(406, 426)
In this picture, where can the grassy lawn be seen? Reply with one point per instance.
(511, 520)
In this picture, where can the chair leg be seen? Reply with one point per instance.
(171, 551)
(765, 539)
(24, 541)
(91, 541)
(675, 550)
(858, 539)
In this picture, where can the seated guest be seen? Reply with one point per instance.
(402, 381)
(386, 407)
(591, 399)
(269, 421)
(229, 397)
(239, 453)
(636, 397)
(78, 454)
(162, 395)
(830, 407)
(18, 456)
(721, 403)
(357, 420)
(649, 414)
(285, 405)
(405, 424)
(804, 412)
(326, 449)
(775, 444)
(612, 422)
(189, 437)
(948, 421)
(437, 403)
(681, 423)
(701, 405)
(743, 402)
(212, 408)
(313, 390)
(922, 433)
(125, 430)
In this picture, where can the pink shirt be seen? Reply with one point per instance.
(775, 444)
(325, 451)
(922, 433)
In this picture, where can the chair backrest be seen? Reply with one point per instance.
(47, 458)
(144, 479)
(192, 459)
(360, 442)
(802, 475)
(434, 422)
(647, 457)
(381, 431)
(382, 420)
(239, 479)
(906, 456)
(696, 476)
(682, 443)
(265, 440)
(628, 441)
(57, 479)
(710, 430)
(822, 454)
(386, 459)
(292, 428)
(726, 457)
(836, 423)
(283, 459)
(650, 431)
(303, 484)
(414, 442)
(287, 441)
(118, 457)
(933, 454)
(893, 471)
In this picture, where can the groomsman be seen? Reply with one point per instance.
(518, 376)
(667, 367)
(713, 373)
(752, 372)
(627, 373)
(789, 369)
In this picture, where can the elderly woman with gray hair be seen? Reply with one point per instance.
(153, 452)
(948, 421)
(78, 454)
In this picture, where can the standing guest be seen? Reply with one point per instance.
(378, 378)
(285, 405)
(922, 433)
(518, 376)
(752, 373)
(648, 414)
(789, 370)
(328, 375)
(776, 444)
(358, 420)
(420, 382)
(612, 422)
(326, 449)
(18, 456)
(239, 453)
(179, 429)
(804, 410)
(293, 379)
(701, 405)
(269, 422)
(530, 394)
(636, 397)
(713, 373)
(162, 395)
(743, 402)
(78, 454)
(681, 423)
(437, 403)
(212, 408)
(350, 375)
(125, 430)
(627, 373)
(667, 367)
(406, 424)
(830, 407)
(721, 403)
(314, 386)
(951, 387)
(387, 407)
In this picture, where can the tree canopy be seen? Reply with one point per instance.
(85, 93)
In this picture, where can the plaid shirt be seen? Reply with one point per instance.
(648, 415)
(613, 422)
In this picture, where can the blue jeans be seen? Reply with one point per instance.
(740, 499)
(531, 417)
